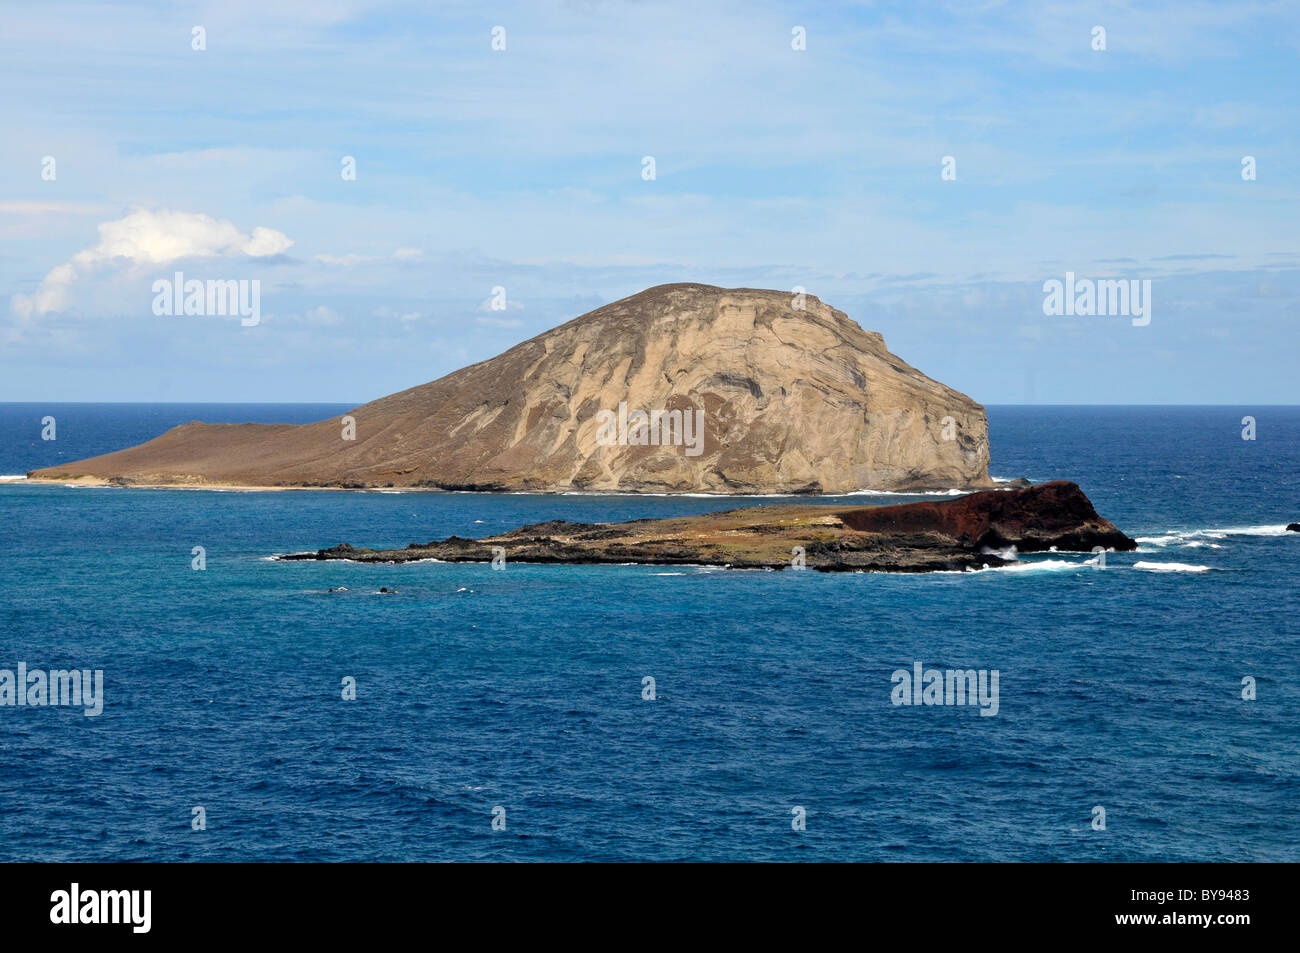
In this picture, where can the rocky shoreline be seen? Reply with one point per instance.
(963, 533)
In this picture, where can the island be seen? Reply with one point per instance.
(681, 388)
(964, 533)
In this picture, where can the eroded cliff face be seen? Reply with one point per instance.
(744, 393)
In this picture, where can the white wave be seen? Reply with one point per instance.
(1044, 565)
(739, 496)
(952, 492)
(1162, 542)
(1035, 565)
(6, 478)
(1170, 567)
(1205, 538)
(622, 493)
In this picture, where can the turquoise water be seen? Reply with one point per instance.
(522, 689)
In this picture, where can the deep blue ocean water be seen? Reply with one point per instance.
(1119, 687)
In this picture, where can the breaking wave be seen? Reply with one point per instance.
(1170, 567)
(1207, 538)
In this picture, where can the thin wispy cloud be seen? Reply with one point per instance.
(415, 168)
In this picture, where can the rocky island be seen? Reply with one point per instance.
(680, 388)
(968, 532)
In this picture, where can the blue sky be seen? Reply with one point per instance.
(522, 168)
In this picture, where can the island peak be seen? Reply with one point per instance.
(680, 388)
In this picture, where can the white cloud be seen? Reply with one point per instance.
(352, 258)
(148, 238)
(406, 317)
(29, 207)
(492, 304)
(345, 261)
(323, 314)
(499, 322)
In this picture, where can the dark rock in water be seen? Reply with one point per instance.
(341, 551)
(1293, 527)
(1033, 519)
(949, 535)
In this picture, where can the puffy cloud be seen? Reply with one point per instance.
(150, 238)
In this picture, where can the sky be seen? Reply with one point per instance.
(792, 145)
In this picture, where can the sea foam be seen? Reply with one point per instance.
(1193, 538)
(1170, 567)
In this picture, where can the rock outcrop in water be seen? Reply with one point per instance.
(956, 534)
(752, 395)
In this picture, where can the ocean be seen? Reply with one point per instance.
(516, 696)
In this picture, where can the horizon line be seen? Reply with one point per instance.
(339, 403)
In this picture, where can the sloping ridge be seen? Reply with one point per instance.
(789, 399)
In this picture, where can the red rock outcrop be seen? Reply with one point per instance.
(1033, 519)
